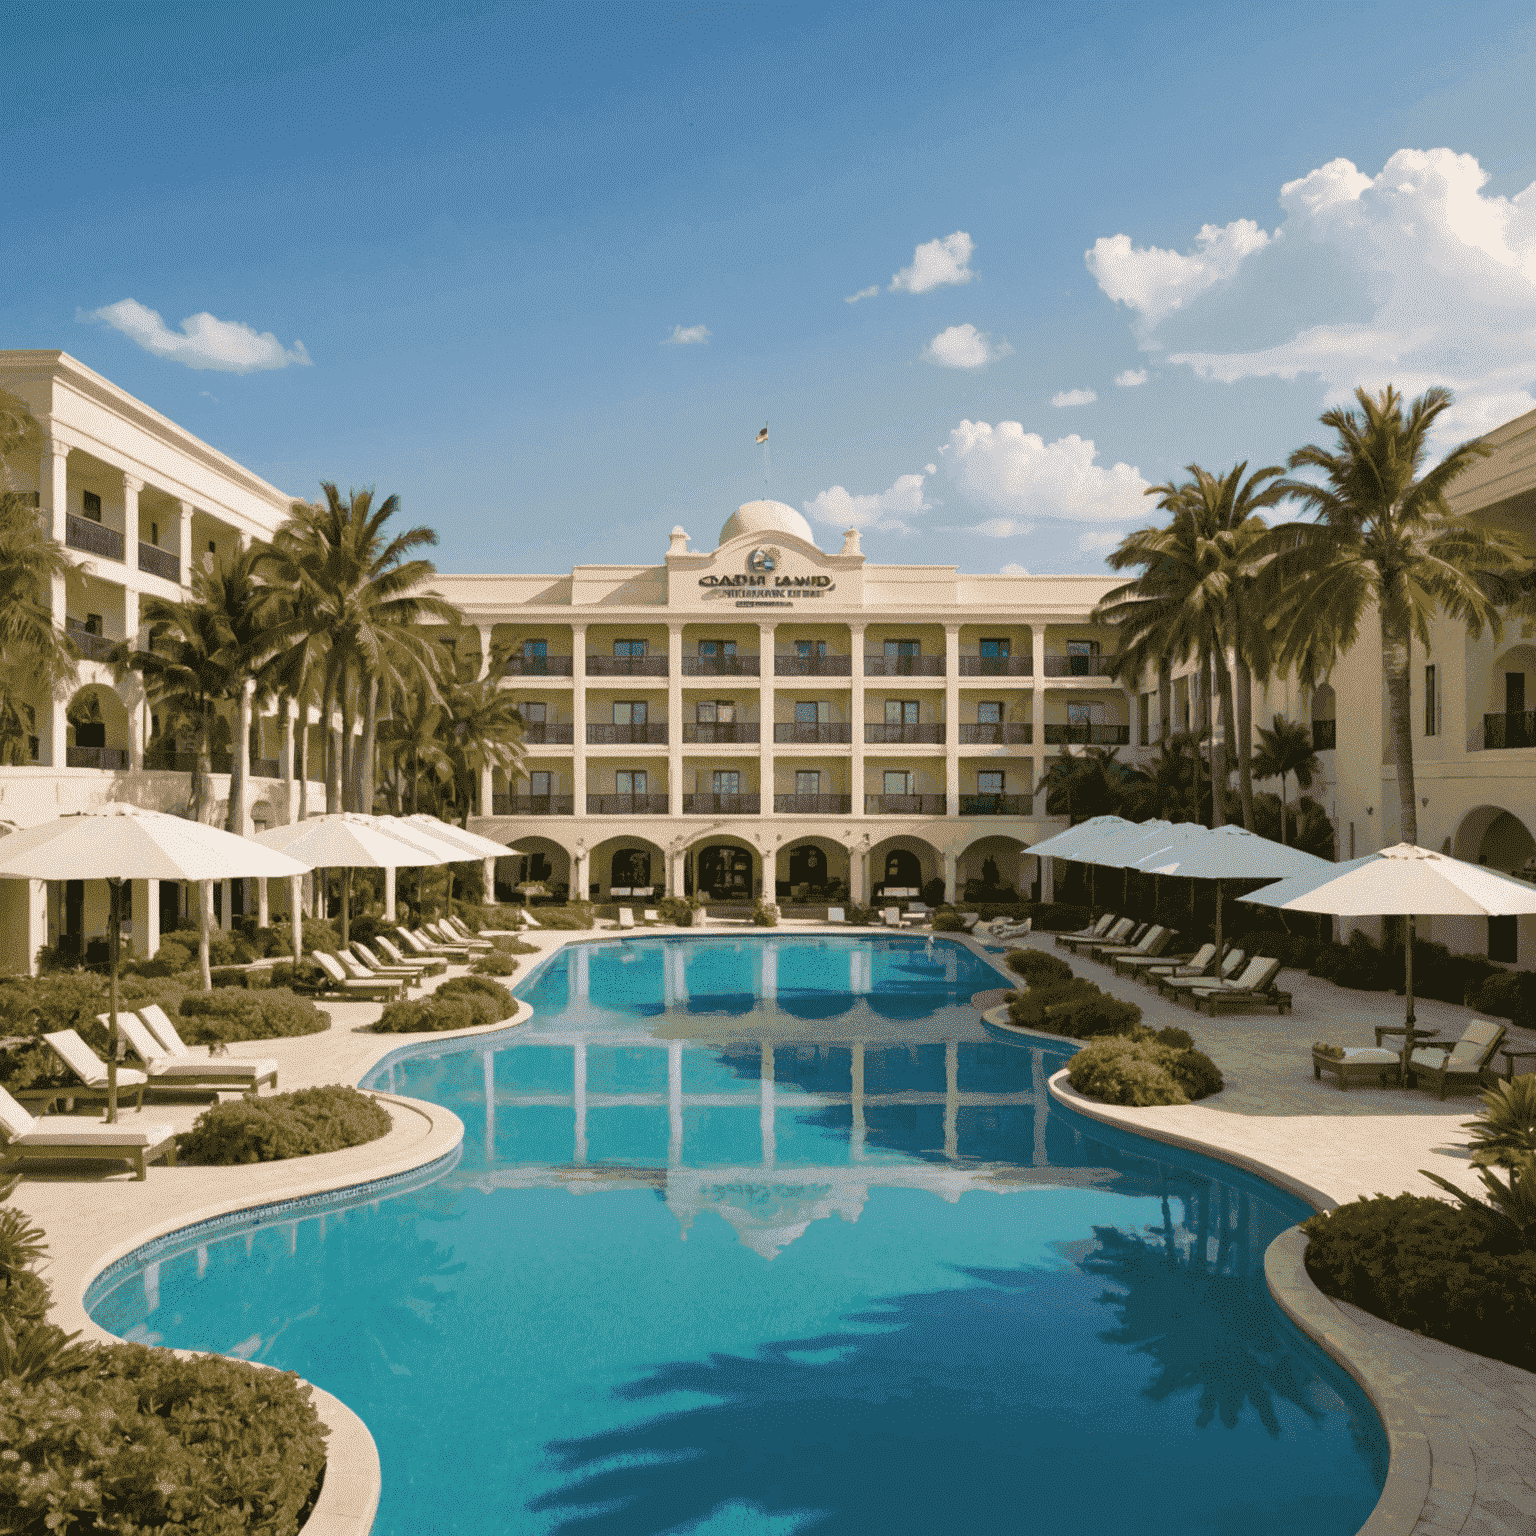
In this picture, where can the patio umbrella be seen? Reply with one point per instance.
(125, 842)
(1402, 881)
(1076, 841)
(347, 840)
(476, 846)
(1154, 839)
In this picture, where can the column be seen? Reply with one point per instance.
(951, 863)
(485, 650)
(296, 914)
(675, 861)
(856, 733)
(185, 546)
(488, 878)
(858, 867)
(579, 734)
(389, 895)
(487, 791)
(138, 720)
(951, 723)
(242, 763)
(579, 1099)
(263, 905)
(1037, 636)
(675, 1103)
(226, 904)
(765, 687)
(146, 918)
(766, 1105)
(675, 728)
(131, 489)
(54, 480)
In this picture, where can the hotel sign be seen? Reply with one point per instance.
(763, 582)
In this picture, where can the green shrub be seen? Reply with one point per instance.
(1027, 1010)
(1143, 1068)
(947, 922)
(320, 936)
(510, 944)
(172, 958)
(576, 915)
(933, 893)
(497, 963)
(765, 914)
(1087, 1018)
(270, 1014)
(678, 909)
(1504, 995)
(255, 1130)
(431, 1015)
(491, 993)
(862, 917)
(1038, 967)
(1179, 1039)
(1195, 1072)
(304, 977)
(1432, 1268)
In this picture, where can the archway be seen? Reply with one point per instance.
(1508, 717)
(903, 863)
(540, 870)
(630, 869)
(98, 729)
(725, 871)
(811, 869)
(1494, 837)
(993, 868)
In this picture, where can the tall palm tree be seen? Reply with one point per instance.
(481, 729)
(410, 744)
(1383, 537)
(1285, 750)
(1091, 783)
(34, 655)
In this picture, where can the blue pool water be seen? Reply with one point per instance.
(772, 1235)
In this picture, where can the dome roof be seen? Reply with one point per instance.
(766, 517)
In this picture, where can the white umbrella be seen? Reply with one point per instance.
(476, 846)
(125, 842)
(1402, 881)
(1077, 843)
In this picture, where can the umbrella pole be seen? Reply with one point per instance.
(1408, 978)
(296, 916)
(346, 902)
(1218, 919)
(114, 930)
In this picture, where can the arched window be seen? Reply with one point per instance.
(903, 870)
(631, 867)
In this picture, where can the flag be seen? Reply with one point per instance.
(762, 436)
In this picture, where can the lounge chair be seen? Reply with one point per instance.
(456, 928)
(626, 917)
(836, 915)
(60, 1138)
(68, 1046)
(1465, 1062)
(189, 1070)
(650, 915)
(432, 965)
(412, 971)
(1151, 944)
(1254, 988)
(422, 943)
(446, 935)
(1129, 965)
(1129, 945)
(891, 916)
(1004, 929)
(1098, 930)
(355, 970)
(918, 912)
(529, 920)
(969, 920)
(378, 988)
(1176, 982)
(1118, 930)
(1200, 965)
(1358, 1062)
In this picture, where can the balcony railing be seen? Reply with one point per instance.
(720, 805)
(903, 666)
(543, 733)
(903, 805)
(532, 805)
(627, 666)
(812, 805)
(1324, 735)
(652, 733)
(266, 768)
(537, 666)
(997, 666)
(93, 647)
(812, 666)
(626, 805)
(925, 734)
(81, 533)
(996, 805)
(170, 760)
(720, 666)
(159, 562)
(1509, 730)
(96, 757)
(1087, 734)
(1079, 666)
(721, 732)
(994, 734)
(810, 733)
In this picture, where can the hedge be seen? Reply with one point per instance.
(1144, 1068)
(255, 1130)
(497, 963)
(462, 1002)
(228, 1014)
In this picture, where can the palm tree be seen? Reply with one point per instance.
(1092, 783)
(1286, 750)
(410, 743)
(1383, 537)
(34, 654)
(481, 729)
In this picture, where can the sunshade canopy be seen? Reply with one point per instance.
(1075, 841)
(475, 846)
(1233, 853)
(127, 842)
(346, 840)
(1120, 850)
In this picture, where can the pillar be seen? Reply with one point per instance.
(185, 545)
(285, 753)
(951, 723)
(485, 650)
(1037, 639)
(487, 790)
(54, 499)
(579, 731)
(263, 905)
(296, 913)
(858, 868)
(488, 876)
(765, 686)
(581, 863)
(856, 730)
(951, 882)
(138, 720)
(226, 904)
(389, 895)
(131, 488)
(675, 861)
(675, 727)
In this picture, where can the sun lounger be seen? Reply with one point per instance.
(1254, 988)
(918, 912)
(1358, 1062)
(836, 915)
(446, 935)
(626, 917)
(1190, 967)
(529, 920)
(969, 920)
(1175, 983)
(1151, 944)
(62, 1138)
(1118, 930)
(1098, 930)
(432, 965)
(1096, 949)
(410, 971)
(1464, 1063)
(354, 970)
(651, 916)
(189, 1070)
(422, 943)
(68, 1046)
(456, 930)
(1129, 965)
(383, 988)
(1004, 929)
(891, 916)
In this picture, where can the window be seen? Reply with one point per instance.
(812, 712)
(715, 712)
(630, 712)
(727, 781)
(535, 655)
(810, 648)
(534, 714)
(1431, 713)
(93, 623)
(630, 647)
(1080, 654)
(717, 648)
(1079, 714)
(539, 784)
(631, 781)
(989, 712)
(901, 711)
(90, 505)
(898, 781)
(989, 782)
(903, 650)
(213, 548)
(808, 781)
(154, 533)
(997, 649)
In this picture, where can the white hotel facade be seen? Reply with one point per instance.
(763, 716)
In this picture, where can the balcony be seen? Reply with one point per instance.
(626, 805)
(159, 562)
(808, 733)
(721, 732)
(1079, 666)
(924, 734)
(903, 805)
(996, 735)
(720, 805)
(997, 666)
(996, 805)
(96, 757)
(545, 734)
(626, 666)
(93, 647)
(533, 805)
(1087, 734)
(653, 733)
(812, 805)
(537, 666)
(1325, 734)
(719, 666)
(265, 768)
(903, 666)
(81, 533)
(785, 665)
(168, 760)
(1508, 730)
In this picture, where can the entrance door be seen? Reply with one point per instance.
(1514, 693)
(807, 866)
(170, 905)
(725, 873)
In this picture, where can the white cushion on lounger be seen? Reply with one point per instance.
(86, 1064)
(68, 1131)
(1368, 1055)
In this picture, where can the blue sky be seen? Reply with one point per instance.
(445, 251)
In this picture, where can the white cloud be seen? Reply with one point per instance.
(1131, 378)
(1099, 541)
(1013, 568)
(999, 528)
(863, 293)
(1413, 276)
(1064, 397)
(884, 511)
(229, 346)
(937, 264)
(963, 346)
(1017, 474)
(687, 336)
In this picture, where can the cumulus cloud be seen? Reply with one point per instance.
(1013, 568)
(228, 346)
(1099, 541)
(1413, 276)
(863, 293)
(885, 511)
(1131, 377)
(999, 528)
(937, 264)
(687, 336)
(1064, 397)
(963, 346)
(1019, 475)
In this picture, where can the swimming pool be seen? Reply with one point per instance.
(770, 1235)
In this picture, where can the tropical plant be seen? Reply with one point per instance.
(1510, 1209)
(1384, 538)
(411, 745)
(1285, 750)
(34, 654)
(1091, 783)
(481, 729)
(1505, 1132)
